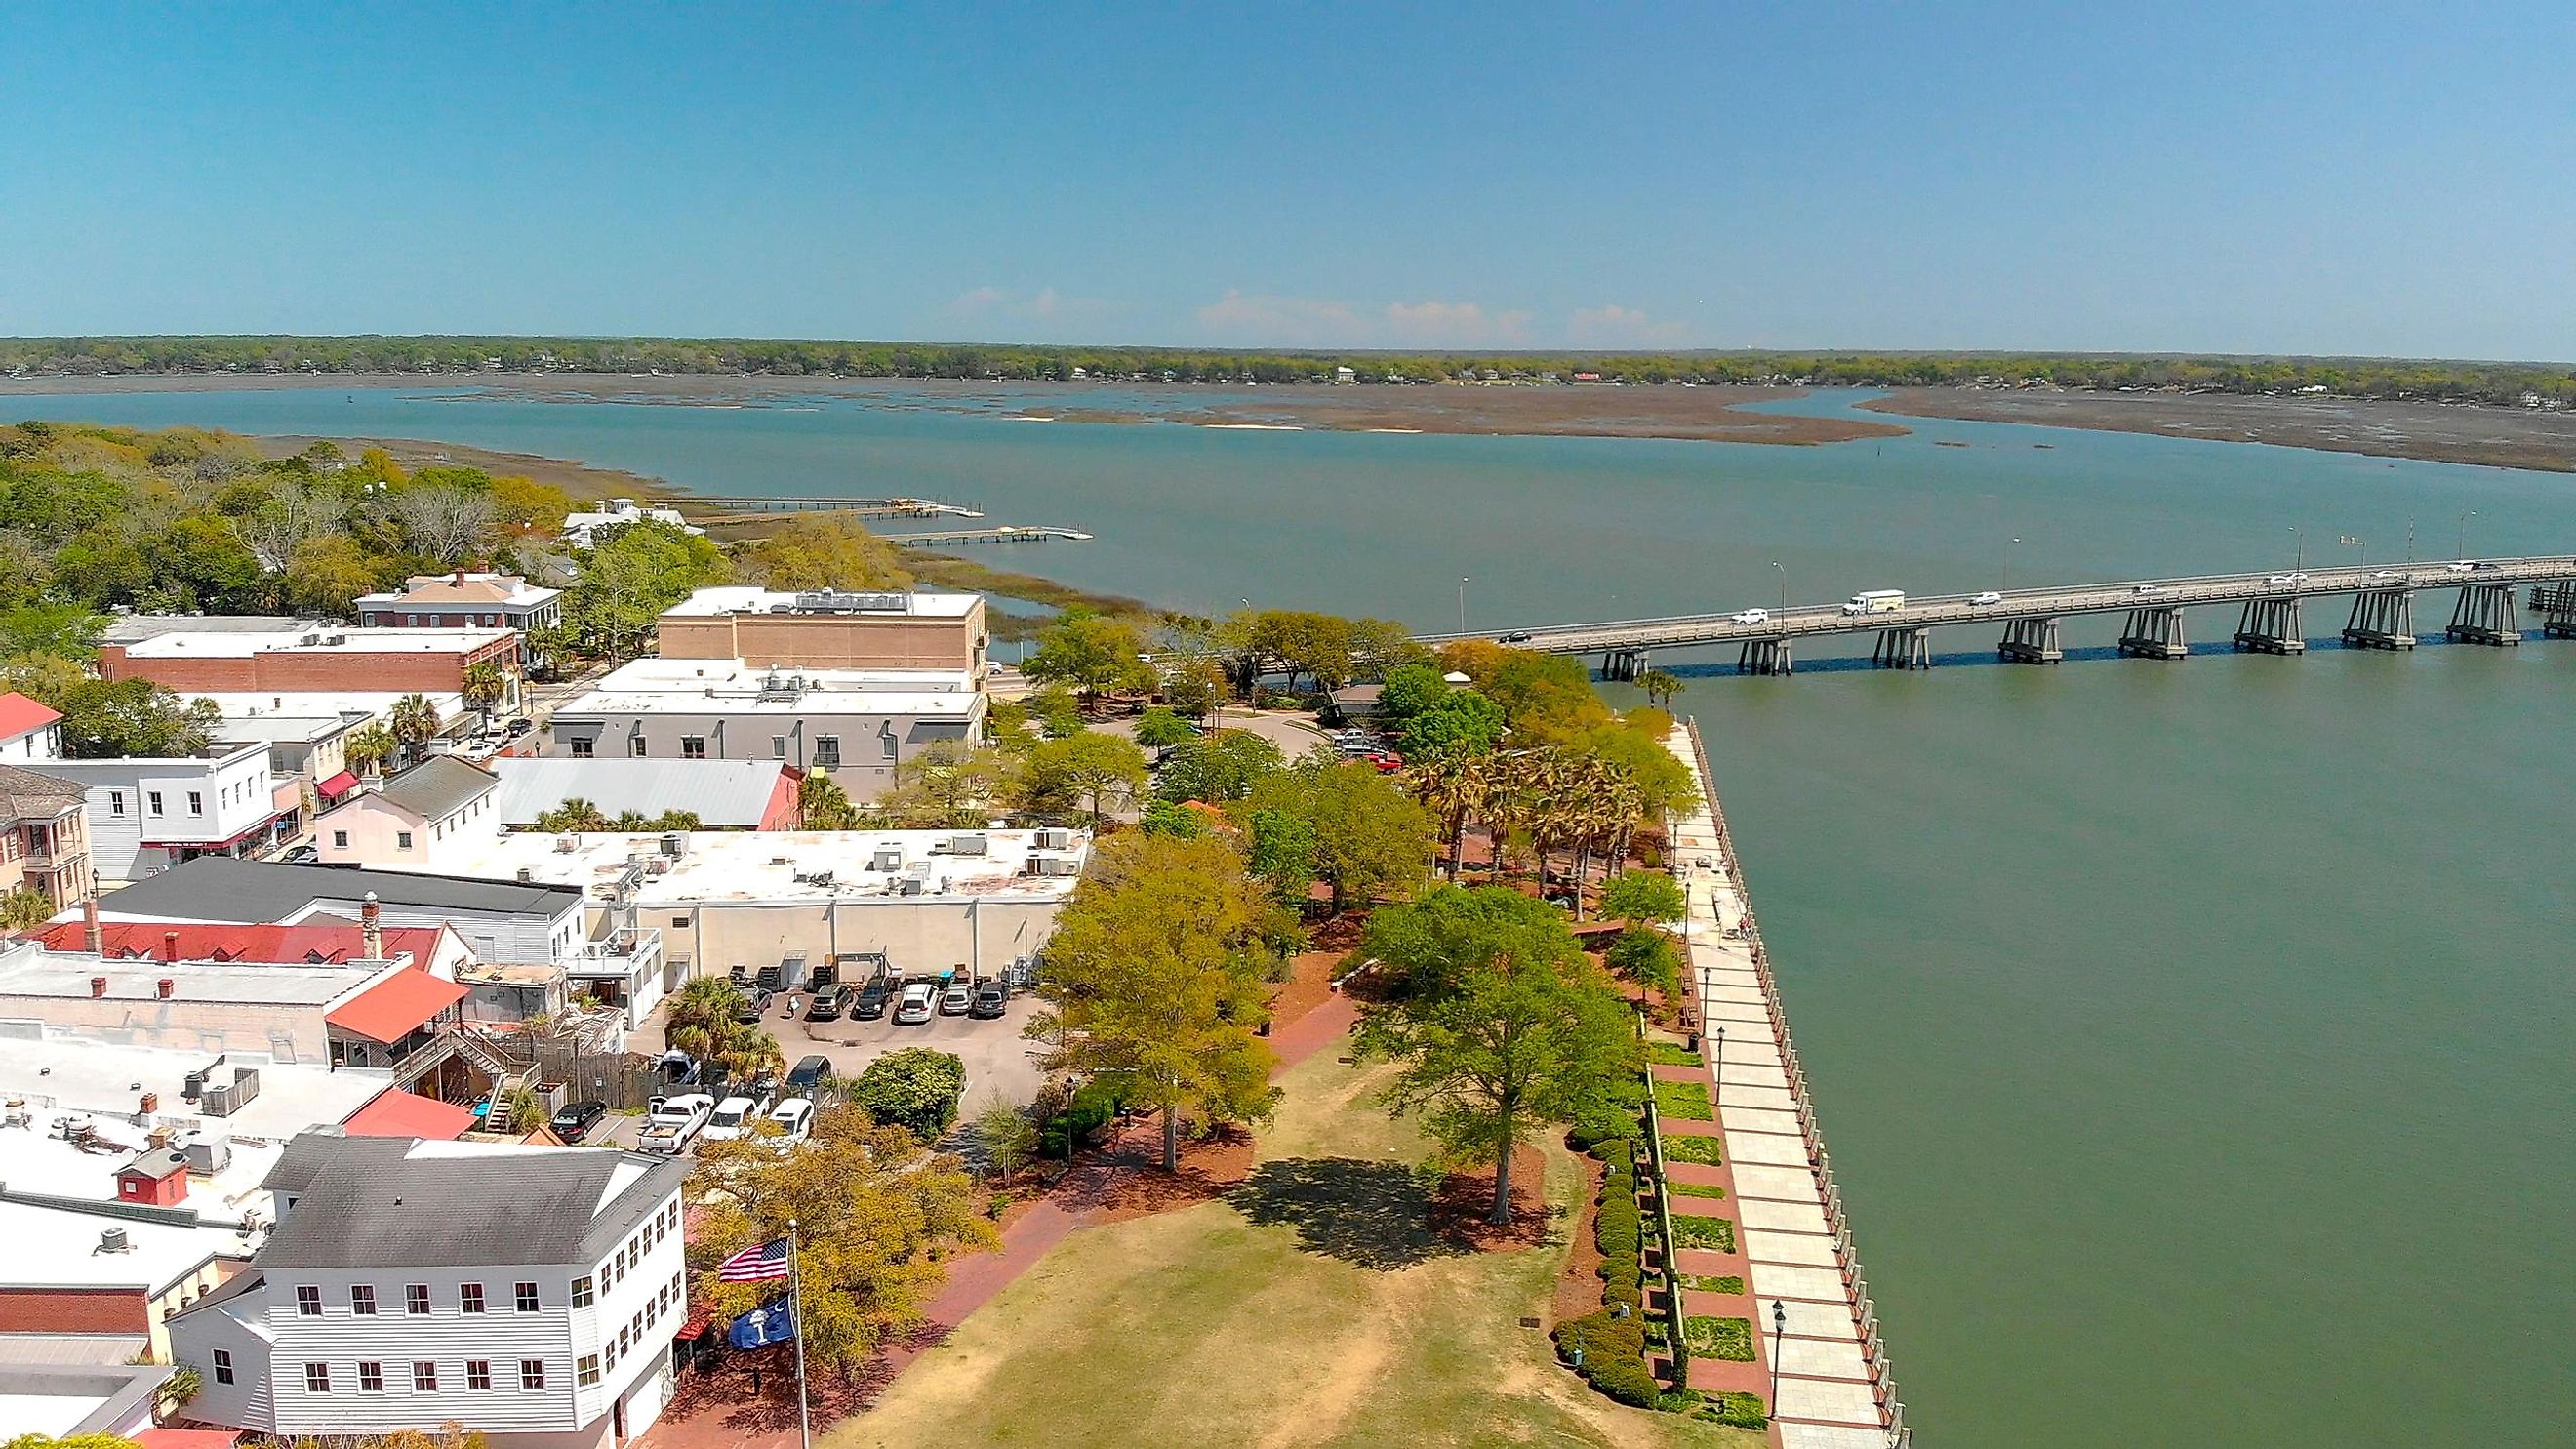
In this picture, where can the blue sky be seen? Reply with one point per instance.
(2346, 179)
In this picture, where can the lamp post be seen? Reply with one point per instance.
(2461, 544)
(2299, 548)
(2008, 547)
(1784, 586)
(1779, 1326)
(1717, 1071)
(1462, 606)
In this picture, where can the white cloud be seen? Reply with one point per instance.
(1616, 326)
(1260, 320)
(1044, 305)
(979, 301)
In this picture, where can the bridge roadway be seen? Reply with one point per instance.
(2382, 615)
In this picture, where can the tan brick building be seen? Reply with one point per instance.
(425, 661)
(828, 630)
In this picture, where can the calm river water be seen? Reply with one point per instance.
(2193, 1038)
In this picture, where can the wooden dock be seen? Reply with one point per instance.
(749, 507)
(998, 533)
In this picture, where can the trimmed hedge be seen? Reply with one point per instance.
(1613, 1356)
(1707, 1284)
(1726, 1338)
(1696, 1232)
(1613, 1344)
(1619, 1231)
(1694, 1189)
(1704, 1151)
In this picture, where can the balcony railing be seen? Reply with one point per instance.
(621, 954)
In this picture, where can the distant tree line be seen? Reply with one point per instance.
(2486, 382)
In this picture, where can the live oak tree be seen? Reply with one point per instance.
(1093, 653)
(1499, 1026)
(1154, 982)
(1370, 838)
(1092, 770)
(877, 1214)
(823, 553)
(914, 1088)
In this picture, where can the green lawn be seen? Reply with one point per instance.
(1694, 1189)
(1697, 1232)
(1726, 1338)
(1684, 1099)
(1309, 1308)
(1703, 1150)
(1671, 1054)
(1707, 1284)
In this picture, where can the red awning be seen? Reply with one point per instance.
(397, 1006)
(226, 843)
(187, 1438)
(339, 784)
(694, 1329)
(398, 1113)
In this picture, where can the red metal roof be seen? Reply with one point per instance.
(20, 715)
(285, 945)
(339, 784)
(398, 1113)
(397, 1006)
(187, 1438)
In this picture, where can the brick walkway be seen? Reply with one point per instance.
(1790, 1244)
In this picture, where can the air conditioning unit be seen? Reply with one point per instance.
(1058, 865)
(674, 844)
(887, 857)
(207, 1155)
(527, 875)
(912, 885)
(966, 845)
(1055, 840)
(217, 1100)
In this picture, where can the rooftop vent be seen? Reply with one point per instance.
(113, 1240)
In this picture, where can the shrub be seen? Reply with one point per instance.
(1684, 1099)
(1694, 1232)
(1618, 1230)
(1726, 1338)
(1613, 1353)
(1694, 1189)
(914, 1088)
(1671, 1054)
(1701, 1150)
(1088, 1112)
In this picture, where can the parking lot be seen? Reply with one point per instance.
(995, 1053)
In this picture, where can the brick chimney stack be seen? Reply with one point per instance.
(169, 945)
(97, 987)
(93, 938)
(371, 931)
(166, 987)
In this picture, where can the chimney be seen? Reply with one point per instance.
(165, 988)
(169, 948)
(93, 939)
(371, 931)
(97, 987)
(460, 573)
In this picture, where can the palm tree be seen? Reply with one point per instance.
(1452, 785)
(1660, 687)
(485, 684)
(369, 748)
(574, 815)
(415, 722)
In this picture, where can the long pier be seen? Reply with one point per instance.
(747, 507)
(1820, 1361)
(2270, 616)
(1000, 533)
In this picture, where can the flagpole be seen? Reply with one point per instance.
(796, 1309)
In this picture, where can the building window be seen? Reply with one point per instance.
(339, 840)
(402, 840)
(679, 923)
(693, 747)
(638, 746)
(308, 1301)
(469, 1297)
(371, 1376)
(223, 1365)
(587, 1370)
(115, 802)
(827, 751)
(778, 747)
(196, 802)
(362, 1299)
(317, 1378)
(532, 1373)
(416, 1298)
(527, 1298)
(478, 1373)
(581, 1294)
(424, 1376)
(581, 748)
(152, 802)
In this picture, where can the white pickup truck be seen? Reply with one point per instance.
(675, 1123)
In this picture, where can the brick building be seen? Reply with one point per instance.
(829, 629)
(425, 661)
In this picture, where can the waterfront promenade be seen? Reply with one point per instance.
(1792, 1245)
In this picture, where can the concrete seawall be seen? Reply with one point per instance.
(1794, 1246)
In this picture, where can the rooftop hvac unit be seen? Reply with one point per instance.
(527, 875)
(111, 1240)
(674, 844)
(567, 844)
(912, 885)
(217, 1100)
(966, 845)
(207, 1155)
(1058, 865)
(1055, 840)
(887, 857)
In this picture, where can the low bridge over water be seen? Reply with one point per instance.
(2270, 613)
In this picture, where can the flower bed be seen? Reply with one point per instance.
(1702, 1151)
(1687, 1100)
(1726, 1338)
(1717, 1233)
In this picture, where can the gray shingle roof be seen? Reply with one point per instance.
(217, 888)
(27, 795)
(721, 793)
(366, 1203)
(436, 787)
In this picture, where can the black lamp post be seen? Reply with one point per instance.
(1717, 1071)
(1779, 1326)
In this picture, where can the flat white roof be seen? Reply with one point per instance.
(51, 1247)
(729, 686)
(78, 1075)
(752, 599)
(201, 644)
(740, 867)
(34, 1160)
(316, 705)
(27, 970)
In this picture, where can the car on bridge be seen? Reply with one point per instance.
(1989, 597)
(1751, 616)
(2287, 579)
(1514, 638)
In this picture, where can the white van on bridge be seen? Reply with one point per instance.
(1875, 601)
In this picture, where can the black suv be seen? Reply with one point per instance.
(990, 999)
(754, 1005)
(872, 999)
(829, 1003)
(576, 1119)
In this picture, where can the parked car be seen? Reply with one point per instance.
(957, 1000)
(829, 1003)
(1516, 637)
(1986, 598)
(1751, 616)
(519, 727)
(1387, 764)
(2291, 578)
(575, 1120)
(872, 998)
(733, 1117)
(754, 1005)
(301, 855)
(806, 1077)
(794, 1118)
(920, 999)
(675, 1122)
(990, 999)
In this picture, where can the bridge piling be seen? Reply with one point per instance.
(2556, 606)
(1764, 656)
(2031, 640)
(2485, 615)
(2154, 633)
(1903, 649)
(2381, 619)
(2271, 626)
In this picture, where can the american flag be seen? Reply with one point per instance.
(760, 1263)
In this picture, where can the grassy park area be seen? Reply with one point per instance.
(1311, 1306)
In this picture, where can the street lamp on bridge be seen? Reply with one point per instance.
(2460, 547)
(2008, 548)
(1784, 586)
(2299, 548)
